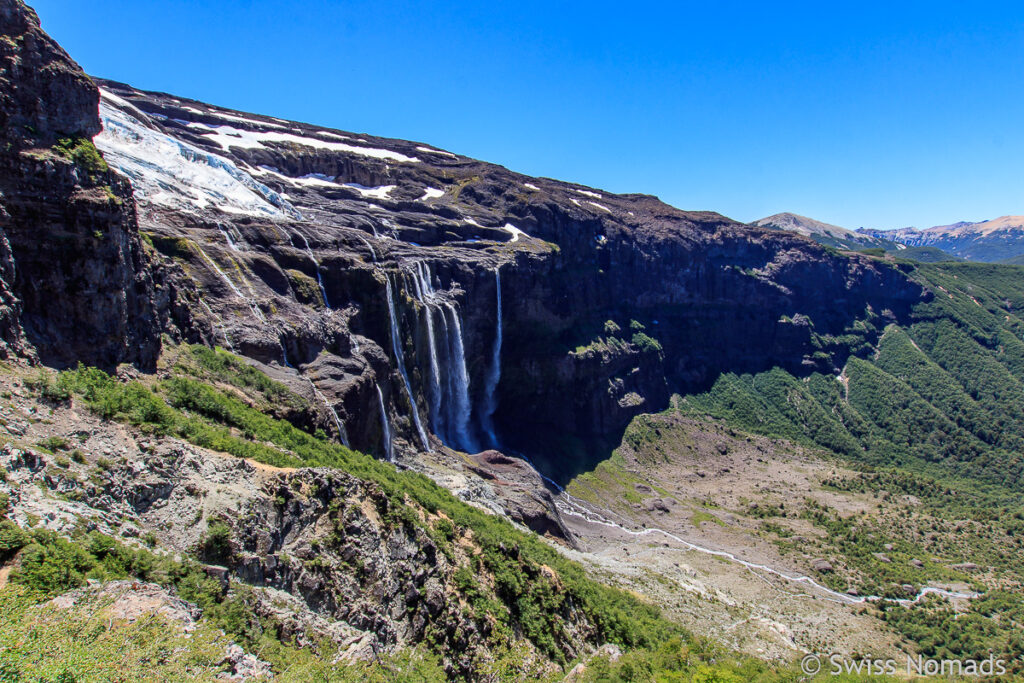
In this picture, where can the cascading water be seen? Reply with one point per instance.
(450, 406)
(494, 374)
(252, 306)
(226, 231)
(316, 266)
(220, 324)
(338, 424)
(460, 382)
(425, 294)
(385, 425)
(396, 347)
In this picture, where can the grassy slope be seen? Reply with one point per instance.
(201, 403)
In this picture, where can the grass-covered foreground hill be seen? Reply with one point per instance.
(171, 528)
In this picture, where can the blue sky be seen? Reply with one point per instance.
(860, 114)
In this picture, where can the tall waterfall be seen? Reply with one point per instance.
(424, 288)
(460, 381)
(316, 265)
(494, 374)
(385, 425)
(450, 406)
(396, 347)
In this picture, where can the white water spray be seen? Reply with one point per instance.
(385, 425)
(316, 266)
(396, 347)
(460, 381)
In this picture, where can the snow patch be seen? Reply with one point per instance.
(380, 192)
(531, 186)
(430, 150)
(588, 193)
(514, 231)
(431, 193)
(310, 179)
(602, 207)
(472, 222)
(229, 136)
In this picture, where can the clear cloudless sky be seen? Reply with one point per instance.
(877, 114)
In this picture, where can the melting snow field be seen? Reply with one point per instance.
(514, 231)
(381, 192)
(429, 150)
(173, 173)
(431, 193)
(229, 136)
(310, 179)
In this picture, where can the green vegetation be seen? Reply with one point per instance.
(84, 154)
(529, 599)
(931, 413)
(614, 340)
(993, 623)
(306, 289)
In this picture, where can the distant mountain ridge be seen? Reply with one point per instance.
(999, 239)
(826, 233)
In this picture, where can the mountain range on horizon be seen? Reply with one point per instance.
(996, 240)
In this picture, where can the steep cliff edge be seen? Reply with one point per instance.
(76, 284)
(373, 267)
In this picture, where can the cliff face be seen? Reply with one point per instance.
(76, 286)
(372, 267)
(424, 297)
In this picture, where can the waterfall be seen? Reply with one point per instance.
(425, 294)
(460, 382)
(219, 323)
(396, 346)
(494, 374)
(284, 354)
(252, 306)
(316, 265)
(450, 406)
(373, 254)
(385, 425)
(227, 236)
(338, 424)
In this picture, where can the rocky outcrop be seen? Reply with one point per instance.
(332, 561)
(76, 282)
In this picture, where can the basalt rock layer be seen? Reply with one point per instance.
(425, 298)
(367, 262)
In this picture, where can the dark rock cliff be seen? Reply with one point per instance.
(76, 285)
(293, 234)
(367, 269)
